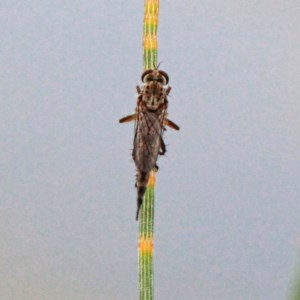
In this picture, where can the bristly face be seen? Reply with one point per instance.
(154, 92)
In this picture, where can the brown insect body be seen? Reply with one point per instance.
(150, 118)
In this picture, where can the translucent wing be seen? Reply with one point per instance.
(148, 138)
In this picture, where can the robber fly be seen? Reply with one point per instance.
(150, 120)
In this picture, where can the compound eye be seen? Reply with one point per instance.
(164, 76)
(147, 76)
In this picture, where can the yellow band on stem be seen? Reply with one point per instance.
(151, 181)
(146, 245)
(152, 3)
(150, 42)
(150, 19)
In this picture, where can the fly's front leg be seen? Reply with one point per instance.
(138, 89)
(168, 90)
(128, 118)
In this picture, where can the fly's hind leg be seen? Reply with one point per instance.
(163, 148)
(162, 151)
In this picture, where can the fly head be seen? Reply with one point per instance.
(154, 92)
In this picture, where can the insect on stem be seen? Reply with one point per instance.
(150, 120)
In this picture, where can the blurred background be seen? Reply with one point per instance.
(227, 195)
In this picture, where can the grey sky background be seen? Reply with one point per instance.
(227, 196)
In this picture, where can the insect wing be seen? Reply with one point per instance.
(147, 139)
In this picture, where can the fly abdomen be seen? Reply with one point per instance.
(141, 186)
(141, 192)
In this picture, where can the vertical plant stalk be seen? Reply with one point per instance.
(295, 295)
(151, 10)
(146, 245)
(146, 220)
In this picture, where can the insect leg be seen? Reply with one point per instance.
(171, 124)
(163, 149)
(168, 90)
(128, 118)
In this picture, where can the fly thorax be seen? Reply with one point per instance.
(154, 95)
